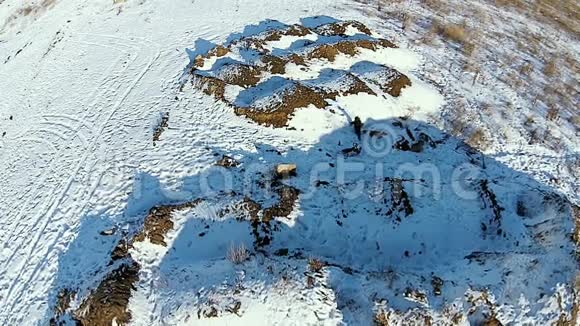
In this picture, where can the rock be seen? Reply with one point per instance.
(285, 170)
(228, 162)
(108, 232)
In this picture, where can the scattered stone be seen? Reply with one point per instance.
(227, 162)
(285, 170)
(108, 232)
(437, 284)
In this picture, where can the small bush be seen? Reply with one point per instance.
(315, 265)
(381, 319)
(238, 254)
(457, 33)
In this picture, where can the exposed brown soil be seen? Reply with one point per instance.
(330, 51)
(261, 219)
(356, 85)
(288, 197)
(339, 28)
(396, 85)
(298, 30)
(158, 222)
(299, 96)
(274, 64)
(218, 51)
(294, 30)
(63, 300)
(416, 145)
(121, 250)
(297, 60)
(324, 51)
(241, 75)
(251, 43)
(159, 130)
(209, 85)
(108, 302)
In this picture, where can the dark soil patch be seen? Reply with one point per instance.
(108, 302)
(262, 219)
(358, 86)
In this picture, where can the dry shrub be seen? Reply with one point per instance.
(315, 265)
(381, 319)
(551, 68)
(454, 32)
(526, 69)
(238, 254)
(553, 114)
(478, 139)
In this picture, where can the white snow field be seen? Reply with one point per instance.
(138, 144)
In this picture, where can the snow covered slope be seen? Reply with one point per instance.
(138, 146)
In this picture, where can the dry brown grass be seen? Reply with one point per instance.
(453, 32)
(563, 14)
(381, 319)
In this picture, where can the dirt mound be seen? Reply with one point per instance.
(277, 112)
(339, 82)
(274, 64)
(250, 62)
(388, 79)
(293, 30)
(239, 74)
(209, 85)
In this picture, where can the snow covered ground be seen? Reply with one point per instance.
(405, 222)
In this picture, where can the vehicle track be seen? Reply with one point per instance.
(53, 202)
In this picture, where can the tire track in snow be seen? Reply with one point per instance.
(54, 202)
